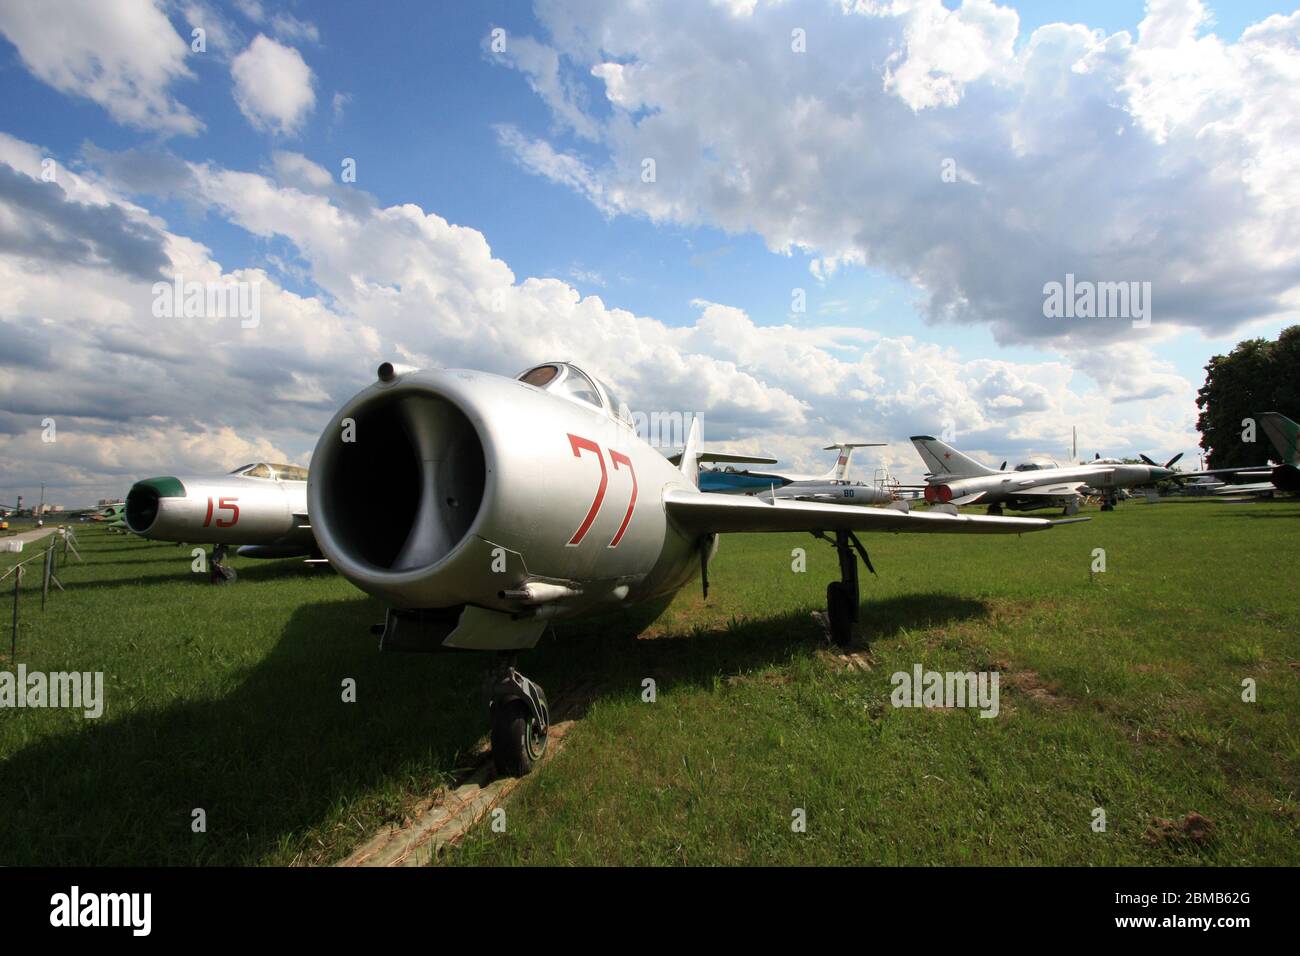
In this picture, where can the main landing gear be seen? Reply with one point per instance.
(1108, 501)
(842, 598)
(995, 510)
(219, 571)
(520, 720)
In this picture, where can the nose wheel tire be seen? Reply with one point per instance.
(518, 738)
(223, 574)
(219, 571)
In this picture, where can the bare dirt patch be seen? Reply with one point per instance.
(1192, 830)
(1028, 683)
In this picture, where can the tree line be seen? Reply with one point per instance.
(1256, 376)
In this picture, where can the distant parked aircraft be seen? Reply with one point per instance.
(795, 486)
(957, 479)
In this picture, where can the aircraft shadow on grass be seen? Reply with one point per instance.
(1258, 514)
(177, 562)
(275, 756)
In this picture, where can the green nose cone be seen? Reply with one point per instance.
(164, 487)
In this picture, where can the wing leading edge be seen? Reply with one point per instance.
(704, 513)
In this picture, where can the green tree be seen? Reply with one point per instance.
(1256, 376)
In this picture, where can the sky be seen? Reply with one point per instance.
(804, 221)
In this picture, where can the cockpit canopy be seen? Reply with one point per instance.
(277, 472)
(569, 381)
(1037, 464)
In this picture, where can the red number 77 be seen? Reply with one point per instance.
(579, 445)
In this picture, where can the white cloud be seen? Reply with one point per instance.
(292, 30)
(273, 86)
(123, 55)
(946, 49)
(398, 282)
(1169, 159)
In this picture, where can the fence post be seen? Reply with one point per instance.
(13, 638)
(45, 575)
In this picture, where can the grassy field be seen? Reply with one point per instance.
(1120, 691)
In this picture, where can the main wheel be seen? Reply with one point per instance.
(995, 510)
(518, 740)
(839, 612)
(223, 574)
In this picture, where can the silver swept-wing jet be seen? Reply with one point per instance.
(1129, 474)
(510, 503)
(958, 479)
(733, 481)
(835, 486)
(260, 508)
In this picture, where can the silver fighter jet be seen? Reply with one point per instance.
(260, 509)
(511, 503)
(958, 479)
(836, 487)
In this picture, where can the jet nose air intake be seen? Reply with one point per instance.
(143, 499)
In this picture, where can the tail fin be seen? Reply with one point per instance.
(840, 471)
(942, 459)
(690, 463)
(1284, 434)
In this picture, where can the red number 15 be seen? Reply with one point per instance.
(223, 504)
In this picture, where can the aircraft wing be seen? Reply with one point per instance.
(1252, 489)
(1254, 471)
(719, 456)
(1052, 491)
(1058, 475)
(720, 514)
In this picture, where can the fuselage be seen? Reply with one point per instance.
(229, 509)
(840, 492)
(487, 486)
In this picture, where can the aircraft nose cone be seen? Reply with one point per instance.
(143, 498)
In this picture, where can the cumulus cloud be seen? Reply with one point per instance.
(399, 282)
(42, 225)
(925, 142)
(273, 86)
(123, 55)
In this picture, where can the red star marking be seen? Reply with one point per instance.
(947, 454)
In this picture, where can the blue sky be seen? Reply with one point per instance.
(412, 93)
(422, 100)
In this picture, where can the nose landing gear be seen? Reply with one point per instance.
(219, 571)
(520, 721)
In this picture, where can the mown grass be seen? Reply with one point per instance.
(1121, 692)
